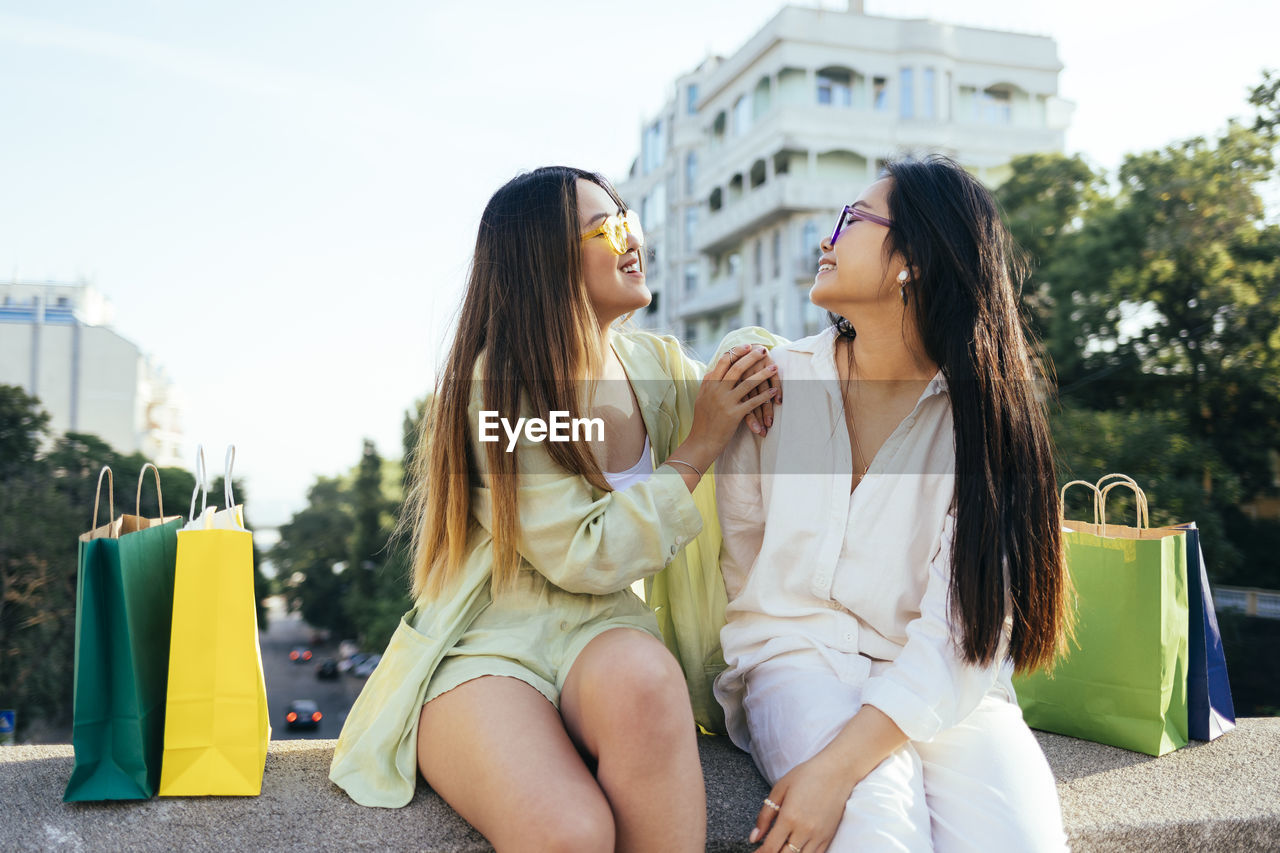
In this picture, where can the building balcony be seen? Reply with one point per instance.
(715, 297)
(873, 134)
(768, 203)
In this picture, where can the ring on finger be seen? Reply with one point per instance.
(771, 804)
(791, 846)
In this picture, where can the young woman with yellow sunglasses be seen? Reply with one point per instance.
(529, 684)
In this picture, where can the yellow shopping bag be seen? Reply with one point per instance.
(216, 726)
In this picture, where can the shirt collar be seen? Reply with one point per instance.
(822, 347)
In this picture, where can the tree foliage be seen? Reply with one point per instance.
(335, 556)
(46, 501)
(1157, 295)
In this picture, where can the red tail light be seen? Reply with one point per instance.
(316, 717)
(306, 655)
(291, 717)
(293, 655)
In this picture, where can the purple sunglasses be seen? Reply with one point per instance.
(856, 213)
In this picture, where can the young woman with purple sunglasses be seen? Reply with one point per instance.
(892, 547)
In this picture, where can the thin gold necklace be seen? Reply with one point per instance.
(853, 430)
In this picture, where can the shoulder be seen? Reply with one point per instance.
(804, 352)
(647, 351)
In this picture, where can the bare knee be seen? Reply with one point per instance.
(645, 691)
(574, 829)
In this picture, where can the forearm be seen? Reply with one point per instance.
(696, 453)
(866, 740)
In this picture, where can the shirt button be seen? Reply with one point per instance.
(674, 549)
(564, 626)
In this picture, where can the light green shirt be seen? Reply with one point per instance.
(582, 540)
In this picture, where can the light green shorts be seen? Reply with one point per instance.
(534, 633)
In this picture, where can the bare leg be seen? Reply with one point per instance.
(496, 750)
(625, 703)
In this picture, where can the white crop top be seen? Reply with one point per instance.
(635, 474)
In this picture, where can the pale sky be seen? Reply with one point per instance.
(280, 199)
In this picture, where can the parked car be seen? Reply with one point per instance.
(302, 714)
(352, 662)
(366, 667)
(300, 654)
(346, 649)
(327, 669)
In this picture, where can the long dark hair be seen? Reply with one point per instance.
(526, 310)
(964, 298)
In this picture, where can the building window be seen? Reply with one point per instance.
(690, 228)
(652, 147)
(653, 304)
(808, 239)
(835, 87)
(691, 99)
(735, 265)
(997, 106)
(690, 172)
(741, 115)
(777, 252)
(690, 278)
(759, 317)
(657, 208)
(652, 269)
(757, 262)
(928, 102)
(880, 93)
(907, 95)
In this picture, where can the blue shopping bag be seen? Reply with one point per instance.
(1210, 712)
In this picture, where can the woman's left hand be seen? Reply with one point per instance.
(761, 418)
(810, 802)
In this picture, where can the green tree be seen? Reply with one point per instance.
(1265, 99)
(38, 530)
(312, 555)
(23, 426)
(1172, 467)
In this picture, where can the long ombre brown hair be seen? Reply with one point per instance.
(527, 320)
(967, 272)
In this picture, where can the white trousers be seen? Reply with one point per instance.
(982, 785)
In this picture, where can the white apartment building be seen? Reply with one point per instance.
(57, 344)
(744, 170)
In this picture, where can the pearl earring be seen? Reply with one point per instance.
(902, 290)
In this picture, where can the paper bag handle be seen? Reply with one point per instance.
(1123, 477)
(1143, 516)
(1063, 505)
(202, 485)
(229, 493)
(159, 497)
(111, 497)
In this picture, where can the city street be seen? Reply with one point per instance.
(287, 681)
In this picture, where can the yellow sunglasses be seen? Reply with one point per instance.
(616, 227)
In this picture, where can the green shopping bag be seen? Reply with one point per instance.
(124, 601)
(1124, 680)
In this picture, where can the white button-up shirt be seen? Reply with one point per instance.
(816, 572)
